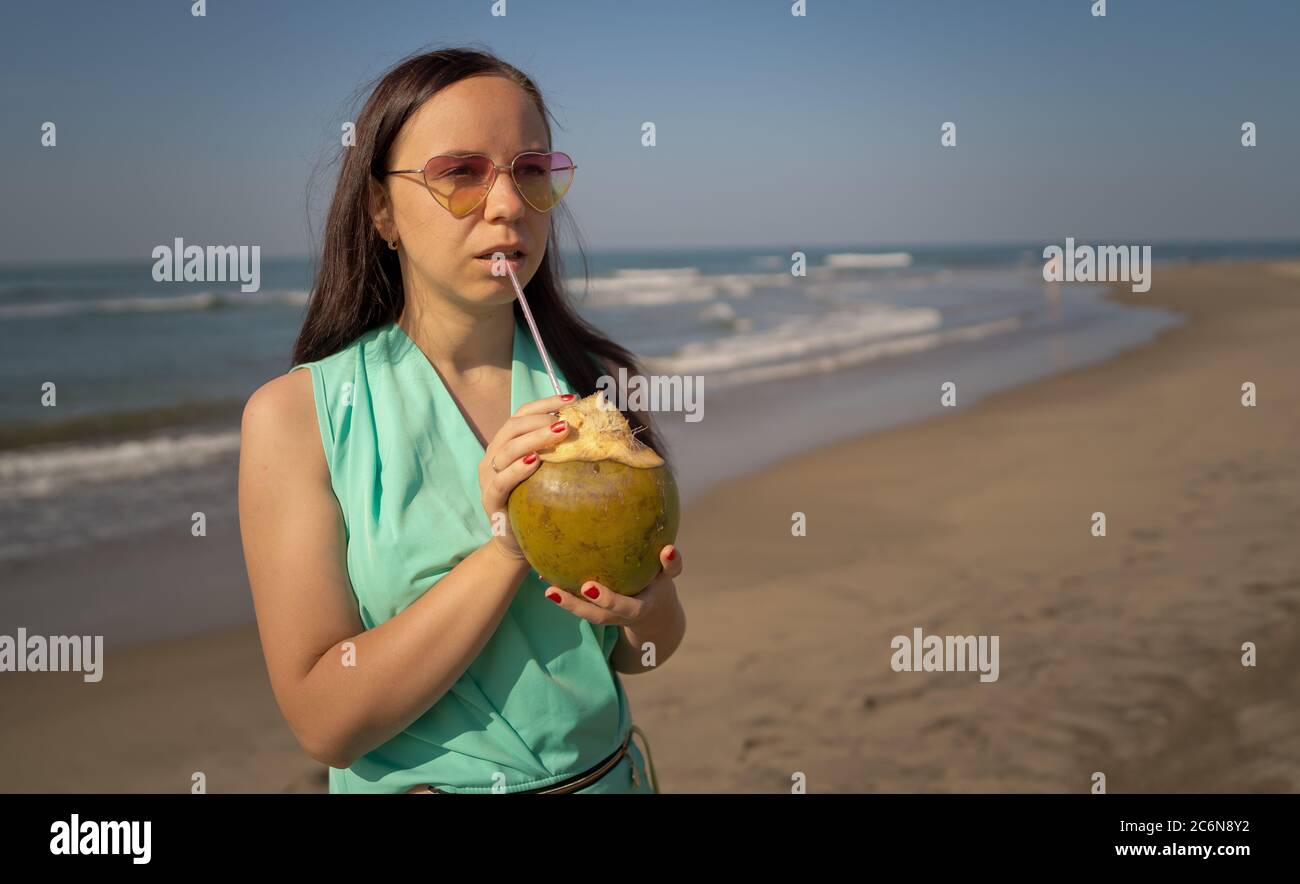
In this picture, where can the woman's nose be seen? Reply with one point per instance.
(503, 199)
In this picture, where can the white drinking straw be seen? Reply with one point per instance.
(537, 338)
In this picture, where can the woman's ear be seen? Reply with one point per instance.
(380, 209)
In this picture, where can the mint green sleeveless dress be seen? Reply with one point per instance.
(541, 702)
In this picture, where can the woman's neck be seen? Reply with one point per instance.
(458, 343)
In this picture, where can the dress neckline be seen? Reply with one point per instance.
(406, 343)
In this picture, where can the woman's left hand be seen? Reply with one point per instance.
(604, 607)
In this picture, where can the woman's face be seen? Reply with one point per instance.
(488, 115)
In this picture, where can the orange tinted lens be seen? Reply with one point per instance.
(543, 178)
(458, 182)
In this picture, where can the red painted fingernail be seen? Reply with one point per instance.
(672, 553)
(529, 458)
(591, 592)
(557, 427)
(567, 396)
(554, 596)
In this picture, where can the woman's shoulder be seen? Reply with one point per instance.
(280, 414)
(292, 409)
(317, 396)
(280, 449)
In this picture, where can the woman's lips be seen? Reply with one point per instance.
(515, 263)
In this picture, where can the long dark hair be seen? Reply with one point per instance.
(358, 283)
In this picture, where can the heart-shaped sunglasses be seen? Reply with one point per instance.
(461, 183)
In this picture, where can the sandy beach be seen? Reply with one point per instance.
(1119, 654)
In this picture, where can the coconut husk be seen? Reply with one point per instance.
(599, 432)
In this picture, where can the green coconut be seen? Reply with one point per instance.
(600, 507)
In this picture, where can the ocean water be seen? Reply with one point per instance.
(151, 376)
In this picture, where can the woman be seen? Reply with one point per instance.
(409, 646)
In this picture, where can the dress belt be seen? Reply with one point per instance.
(572, 784)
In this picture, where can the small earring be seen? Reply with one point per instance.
(392, 244)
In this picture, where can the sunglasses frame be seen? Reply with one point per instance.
(496, 168)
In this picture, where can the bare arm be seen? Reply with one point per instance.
(293, 539)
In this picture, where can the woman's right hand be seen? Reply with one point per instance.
(527, 431)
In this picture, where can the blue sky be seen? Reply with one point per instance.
(772, 129)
